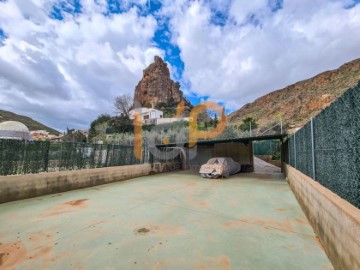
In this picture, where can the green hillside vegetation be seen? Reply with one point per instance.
(121, 129)
(27, 121)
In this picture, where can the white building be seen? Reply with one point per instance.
(154, 116)
(148, 115)
(170, 120)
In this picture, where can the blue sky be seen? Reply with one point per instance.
(62, 62)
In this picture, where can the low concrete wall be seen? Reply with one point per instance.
(18, 187)
(335, 221)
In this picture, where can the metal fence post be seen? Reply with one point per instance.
(313, 149)
(112, 155)
(295, 151)
(24, 158)
(250, 128)
(107, 155)
(46, 157)
(61, 148)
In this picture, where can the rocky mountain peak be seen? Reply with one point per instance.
(158, 60)
(156, 87)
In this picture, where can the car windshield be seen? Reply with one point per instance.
(216, 161)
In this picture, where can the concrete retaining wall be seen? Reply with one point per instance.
(18, 187)
(335, 221)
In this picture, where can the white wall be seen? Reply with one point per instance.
(170, 120)
(151, 113)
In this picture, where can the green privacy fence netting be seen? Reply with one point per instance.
(271, 147)
(22, 157)
(328, 148)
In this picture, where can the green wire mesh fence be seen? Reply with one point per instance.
(23, 157)
(270, 147)
(328, 147)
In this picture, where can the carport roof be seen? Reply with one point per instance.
(243, 140)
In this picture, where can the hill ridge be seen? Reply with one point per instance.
(29, 122)
(299, 102)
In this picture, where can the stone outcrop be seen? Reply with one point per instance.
(157, 87)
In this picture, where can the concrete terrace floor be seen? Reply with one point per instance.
(166, 221)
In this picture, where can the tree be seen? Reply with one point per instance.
(74, 136)
(247, 123)
(101, 131)
(147, 104)
(169, 110)
(203, 117)
(123, 104)
(230, 132)
(103, 118)
(215, 121)
(120, 124)
(206, 125)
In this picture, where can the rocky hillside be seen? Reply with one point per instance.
(156, 87)
(27, 121)
(297, 103)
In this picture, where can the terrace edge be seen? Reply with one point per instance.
(19, 187)
(334, 220)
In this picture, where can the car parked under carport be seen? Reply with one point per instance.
(219, 167)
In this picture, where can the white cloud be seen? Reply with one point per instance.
(66, 72)
(240, 10)
(243, 59)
